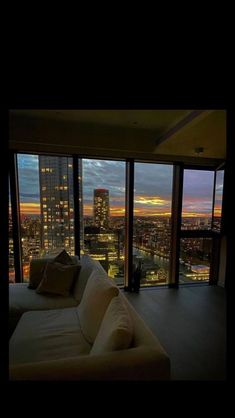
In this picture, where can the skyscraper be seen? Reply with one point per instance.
(57, 206)
(101, 208)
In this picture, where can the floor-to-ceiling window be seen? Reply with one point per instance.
(46, 206)
(47, 216)
(103, 201)
(217, 212)
(152, 222)
(196, 221)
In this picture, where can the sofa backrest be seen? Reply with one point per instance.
(88, 265)
(97, 295)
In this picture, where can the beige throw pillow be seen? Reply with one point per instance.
(116, 330)
(37, 266)
(58, 279)
(96, 297)
(64, 258)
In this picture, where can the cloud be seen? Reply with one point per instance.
(104, 174)
(30, 208)
(153, 179)
(28, 175)
(198, 183)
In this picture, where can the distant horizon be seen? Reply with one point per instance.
(136, 216)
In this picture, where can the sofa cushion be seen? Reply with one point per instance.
(58, 278)
(47, 335)
(22, 299)
(88, 265)
(96, 297)
(116, 330)
(37, 267)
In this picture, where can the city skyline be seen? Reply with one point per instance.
(197, 200)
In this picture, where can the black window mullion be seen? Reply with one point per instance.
(15, 210)
(76, 206)
(129, 223)
(213, 200)
(177, 194)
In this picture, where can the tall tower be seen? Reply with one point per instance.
(57, 206)
(101, 208)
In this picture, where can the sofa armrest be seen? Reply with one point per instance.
(139, 363)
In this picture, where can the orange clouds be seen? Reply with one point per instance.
(151, 200)
(154, 207)
(151, 212)
(195, 214)
(30, 208)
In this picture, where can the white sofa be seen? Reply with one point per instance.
(23, 299)
(56, 338)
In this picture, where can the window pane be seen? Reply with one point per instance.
(46, 200)
(152, 222)
(195, 256)
(197, 199)
(11, 245)
(219, 184)
(104, 214)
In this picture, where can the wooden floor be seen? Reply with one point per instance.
(191, 325)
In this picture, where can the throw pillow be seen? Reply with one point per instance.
(97, 295)
(58, 279)
(37, 267)
(64, 258)
(116, 330)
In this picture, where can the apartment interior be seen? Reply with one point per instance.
(183, 304)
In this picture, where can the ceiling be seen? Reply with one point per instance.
(138, 119)
(151, 133)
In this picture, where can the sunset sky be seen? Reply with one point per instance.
(152, 194)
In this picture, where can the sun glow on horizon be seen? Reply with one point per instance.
(30, 208)
(34, 209)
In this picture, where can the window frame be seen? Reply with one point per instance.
(177, 196)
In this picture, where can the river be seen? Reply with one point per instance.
(155, 259)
